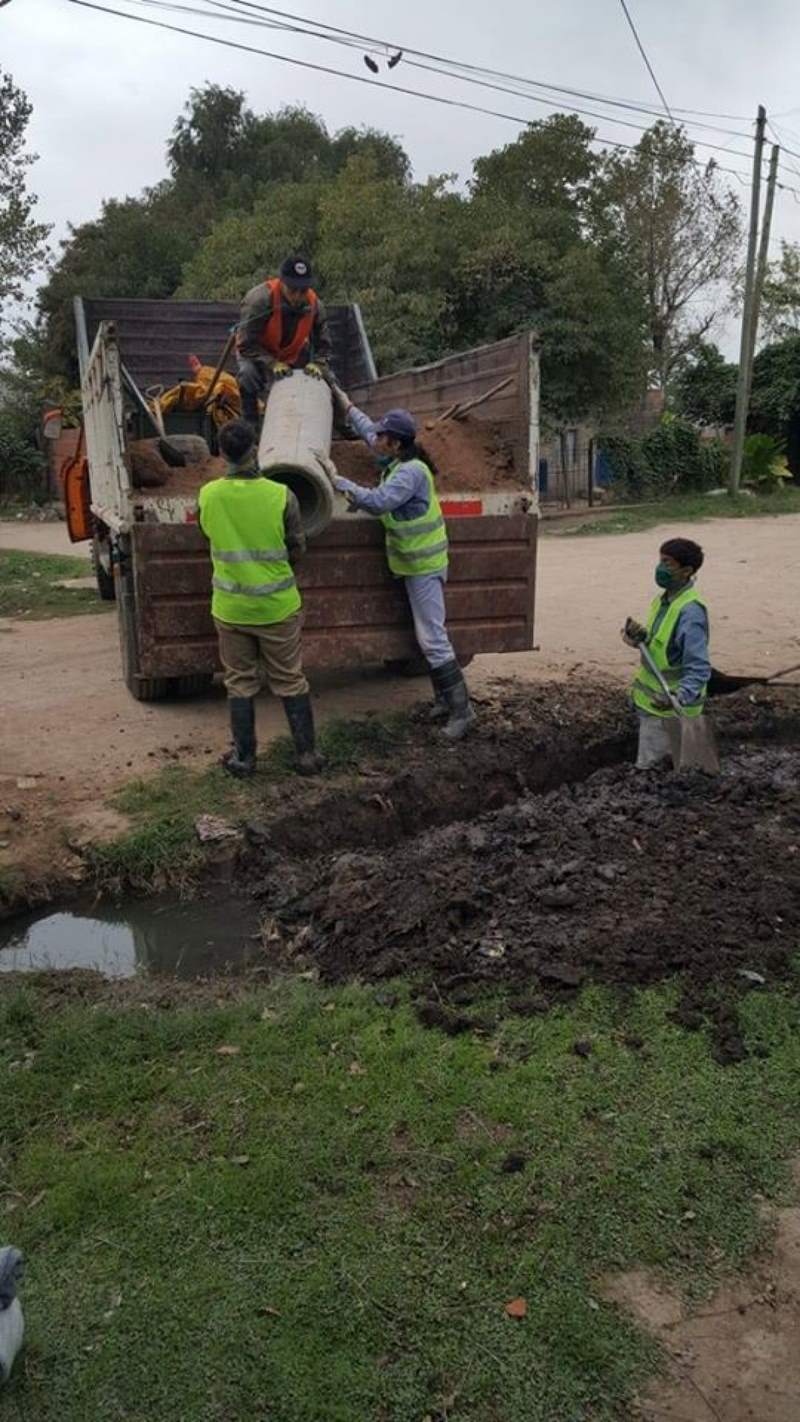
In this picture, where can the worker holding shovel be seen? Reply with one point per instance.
(669, 690)
(407, 505)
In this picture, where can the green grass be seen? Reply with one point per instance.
(317, 1228)
(27, 588)
(688, 508)
(163, 807)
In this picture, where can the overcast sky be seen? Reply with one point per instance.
(106, 91)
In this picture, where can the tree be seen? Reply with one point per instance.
(704, 390)
(678, 231)
(244, 247)
(529, 258)
(22, 239)
(780, 301)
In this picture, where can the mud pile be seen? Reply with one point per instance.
(467, 455)
(620, 877)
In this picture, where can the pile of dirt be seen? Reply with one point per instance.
(468, 455)
(181, 482)
(621, 877)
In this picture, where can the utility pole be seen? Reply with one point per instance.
(745, 347)
(763, 258)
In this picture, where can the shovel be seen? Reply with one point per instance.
(720, 684)
(694, 747)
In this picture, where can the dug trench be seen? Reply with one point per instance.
(535, 859)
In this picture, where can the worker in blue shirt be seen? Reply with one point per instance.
(407, 504)
(676, 634)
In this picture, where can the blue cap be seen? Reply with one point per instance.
(399, 423)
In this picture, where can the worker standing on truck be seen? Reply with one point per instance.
(676, 635)
(282, 327)
(407, 504)
(255, 531)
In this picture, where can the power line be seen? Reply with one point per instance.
(371, 82)
(358, 41)
(395, 45)
(352, 39)
(643, 53)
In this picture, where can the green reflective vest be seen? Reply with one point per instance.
(645, 685)
(416, 545)
(253, 581)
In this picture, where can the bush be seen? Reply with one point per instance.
(671, 459)
(22, 467)
(764, 463)
(629, 471)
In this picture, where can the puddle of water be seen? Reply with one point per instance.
(141, 935)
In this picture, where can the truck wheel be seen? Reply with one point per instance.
(193, 685)
(101, 567)
(148, 688)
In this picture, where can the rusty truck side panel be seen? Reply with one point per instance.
(355, 612)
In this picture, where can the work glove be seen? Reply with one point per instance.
(327, 465)
(661, 702)
(341, 399)
(280, 370)
(633, 633)
(314, 370)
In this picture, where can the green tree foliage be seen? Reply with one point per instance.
(22, 238)
(538, 241)
(677, 231)
(704, 390)
(780, 302)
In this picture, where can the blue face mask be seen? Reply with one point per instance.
(665, 577)
(384, 460)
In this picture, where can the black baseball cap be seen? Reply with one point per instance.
(296, 272)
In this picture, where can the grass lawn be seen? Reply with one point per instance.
(28, 591)
(163, 807)
(686, 508)
(298, 1205)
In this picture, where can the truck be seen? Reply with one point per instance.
(151, 557)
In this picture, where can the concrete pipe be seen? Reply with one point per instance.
(298, 421)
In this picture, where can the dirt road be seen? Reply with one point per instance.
(39, 538)
(67, 717)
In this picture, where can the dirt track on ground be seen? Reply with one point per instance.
(68, 719)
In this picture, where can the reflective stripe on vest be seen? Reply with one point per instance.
(251, 585)
(272, 333)
(416, 545)
(645, 685)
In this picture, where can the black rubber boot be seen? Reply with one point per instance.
(440, 710)
(449, 684)
(300, 715)
(241, 758)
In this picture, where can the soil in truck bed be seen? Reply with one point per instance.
(468, 456)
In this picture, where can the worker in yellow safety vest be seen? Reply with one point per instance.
(408, 506)
(676, 634)
(254, 527)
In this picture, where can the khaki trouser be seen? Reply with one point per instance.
(275, 646)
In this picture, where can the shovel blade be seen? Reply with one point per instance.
(697, 747)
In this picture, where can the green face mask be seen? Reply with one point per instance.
(666, 578)
(384, 460)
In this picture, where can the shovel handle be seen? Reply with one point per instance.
(657, 673)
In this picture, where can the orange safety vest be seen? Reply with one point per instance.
(272, 334)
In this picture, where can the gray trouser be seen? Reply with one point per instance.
(426, 597)
(658, 740)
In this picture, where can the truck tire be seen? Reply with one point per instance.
(193, 685)
(101, 567)
(148, 688)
